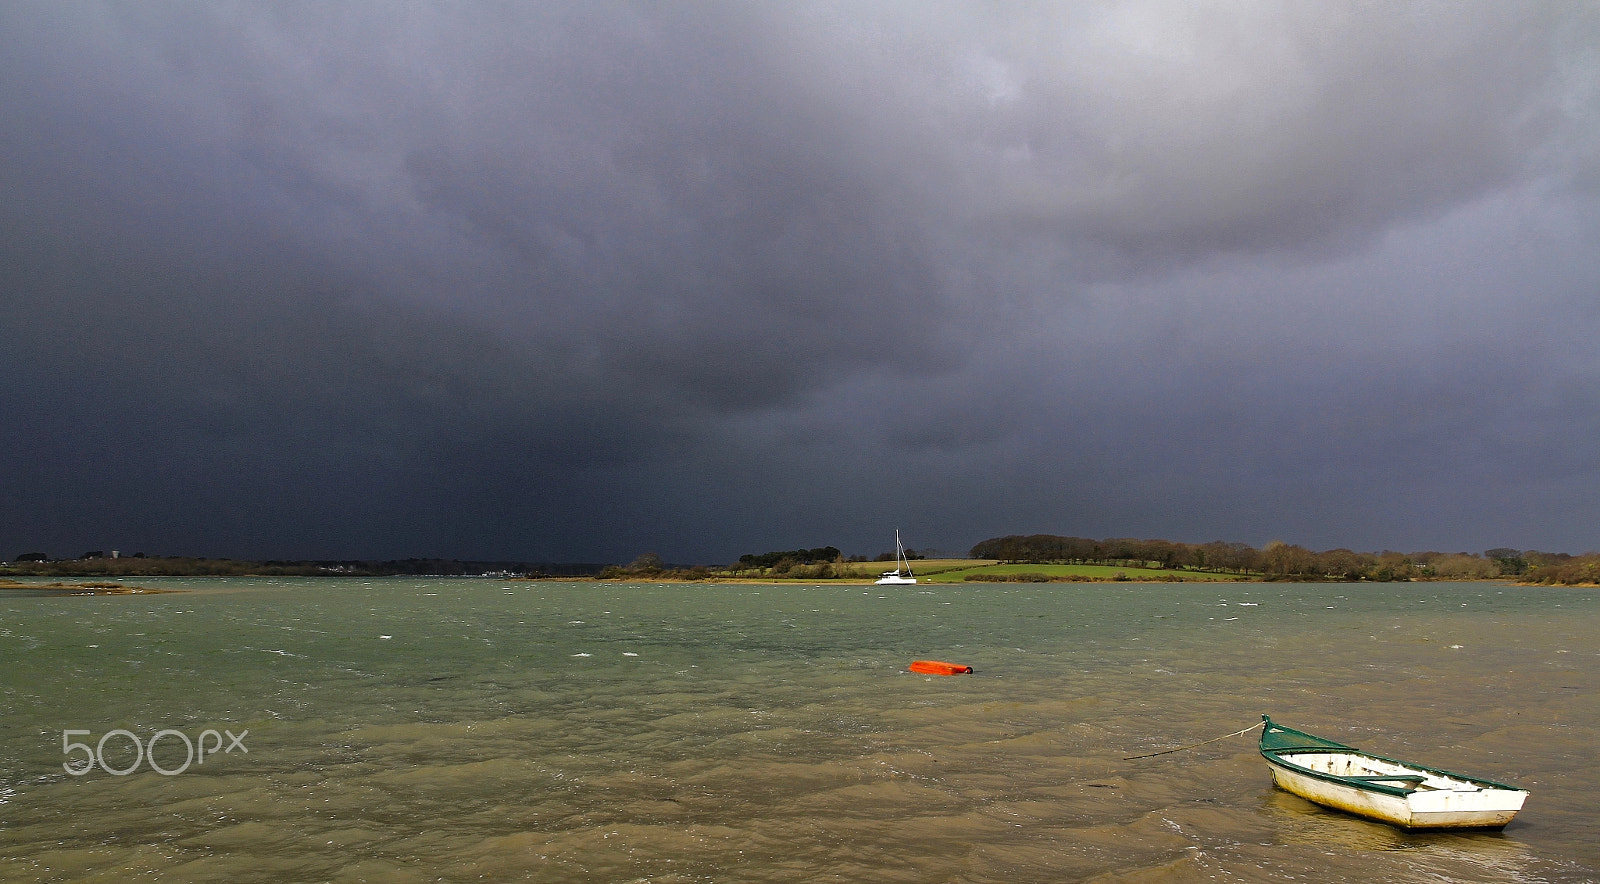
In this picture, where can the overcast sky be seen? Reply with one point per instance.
(576, 281)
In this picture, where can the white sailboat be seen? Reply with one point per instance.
(901, 575)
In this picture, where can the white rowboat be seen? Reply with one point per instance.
(1397, 792)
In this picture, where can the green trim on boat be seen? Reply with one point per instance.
(1277, 738)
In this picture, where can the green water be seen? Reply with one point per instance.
(473, 730)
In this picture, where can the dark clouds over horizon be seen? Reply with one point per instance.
(575, 282)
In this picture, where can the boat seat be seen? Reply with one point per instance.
(1399, 778)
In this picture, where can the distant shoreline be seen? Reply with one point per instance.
(1034, 558)
(928, 572)
(58, 588)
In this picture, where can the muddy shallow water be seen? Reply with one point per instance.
(455, 730)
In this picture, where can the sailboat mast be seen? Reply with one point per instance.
(902, 565)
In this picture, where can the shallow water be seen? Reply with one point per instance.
(455, 730)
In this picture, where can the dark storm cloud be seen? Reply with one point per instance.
(572, 282)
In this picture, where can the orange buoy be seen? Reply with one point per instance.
(938, 667)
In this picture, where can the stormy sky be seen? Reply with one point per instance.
(576, 281)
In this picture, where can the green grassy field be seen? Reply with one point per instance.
(1088, 572)
(956, 571)
(919, 567)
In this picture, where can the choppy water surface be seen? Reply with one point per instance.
(467, 730)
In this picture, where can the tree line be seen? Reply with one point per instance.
(1278, 560)
(1581, 570)
(140, 565)
(1275, 561)
(750, 561)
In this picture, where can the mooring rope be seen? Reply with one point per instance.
(1201, 743)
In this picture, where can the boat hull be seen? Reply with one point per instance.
(1419, 810)
(939, 667)
(1396, 792)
